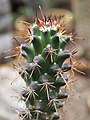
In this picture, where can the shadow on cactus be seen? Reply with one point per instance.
(43, 47)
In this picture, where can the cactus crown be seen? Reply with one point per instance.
(44, 50)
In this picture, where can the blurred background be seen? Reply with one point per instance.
(11, 12)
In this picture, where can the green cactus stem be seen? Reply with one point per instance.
(45, 55)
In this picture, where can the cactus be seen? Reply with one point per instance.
(43, 48)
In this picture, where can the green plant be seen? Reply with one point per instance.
(43, 47)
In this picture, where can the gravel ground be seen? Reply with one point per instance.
(76, 108)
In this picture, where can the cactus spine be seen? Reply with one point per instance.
(44, 50)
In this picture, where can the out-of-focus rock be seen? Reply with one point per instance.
(5, 16)
(5, 29)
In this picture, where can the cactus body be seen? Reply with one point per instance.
(46, 55)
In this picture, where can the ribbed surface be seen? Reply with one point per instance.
(44, 75)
